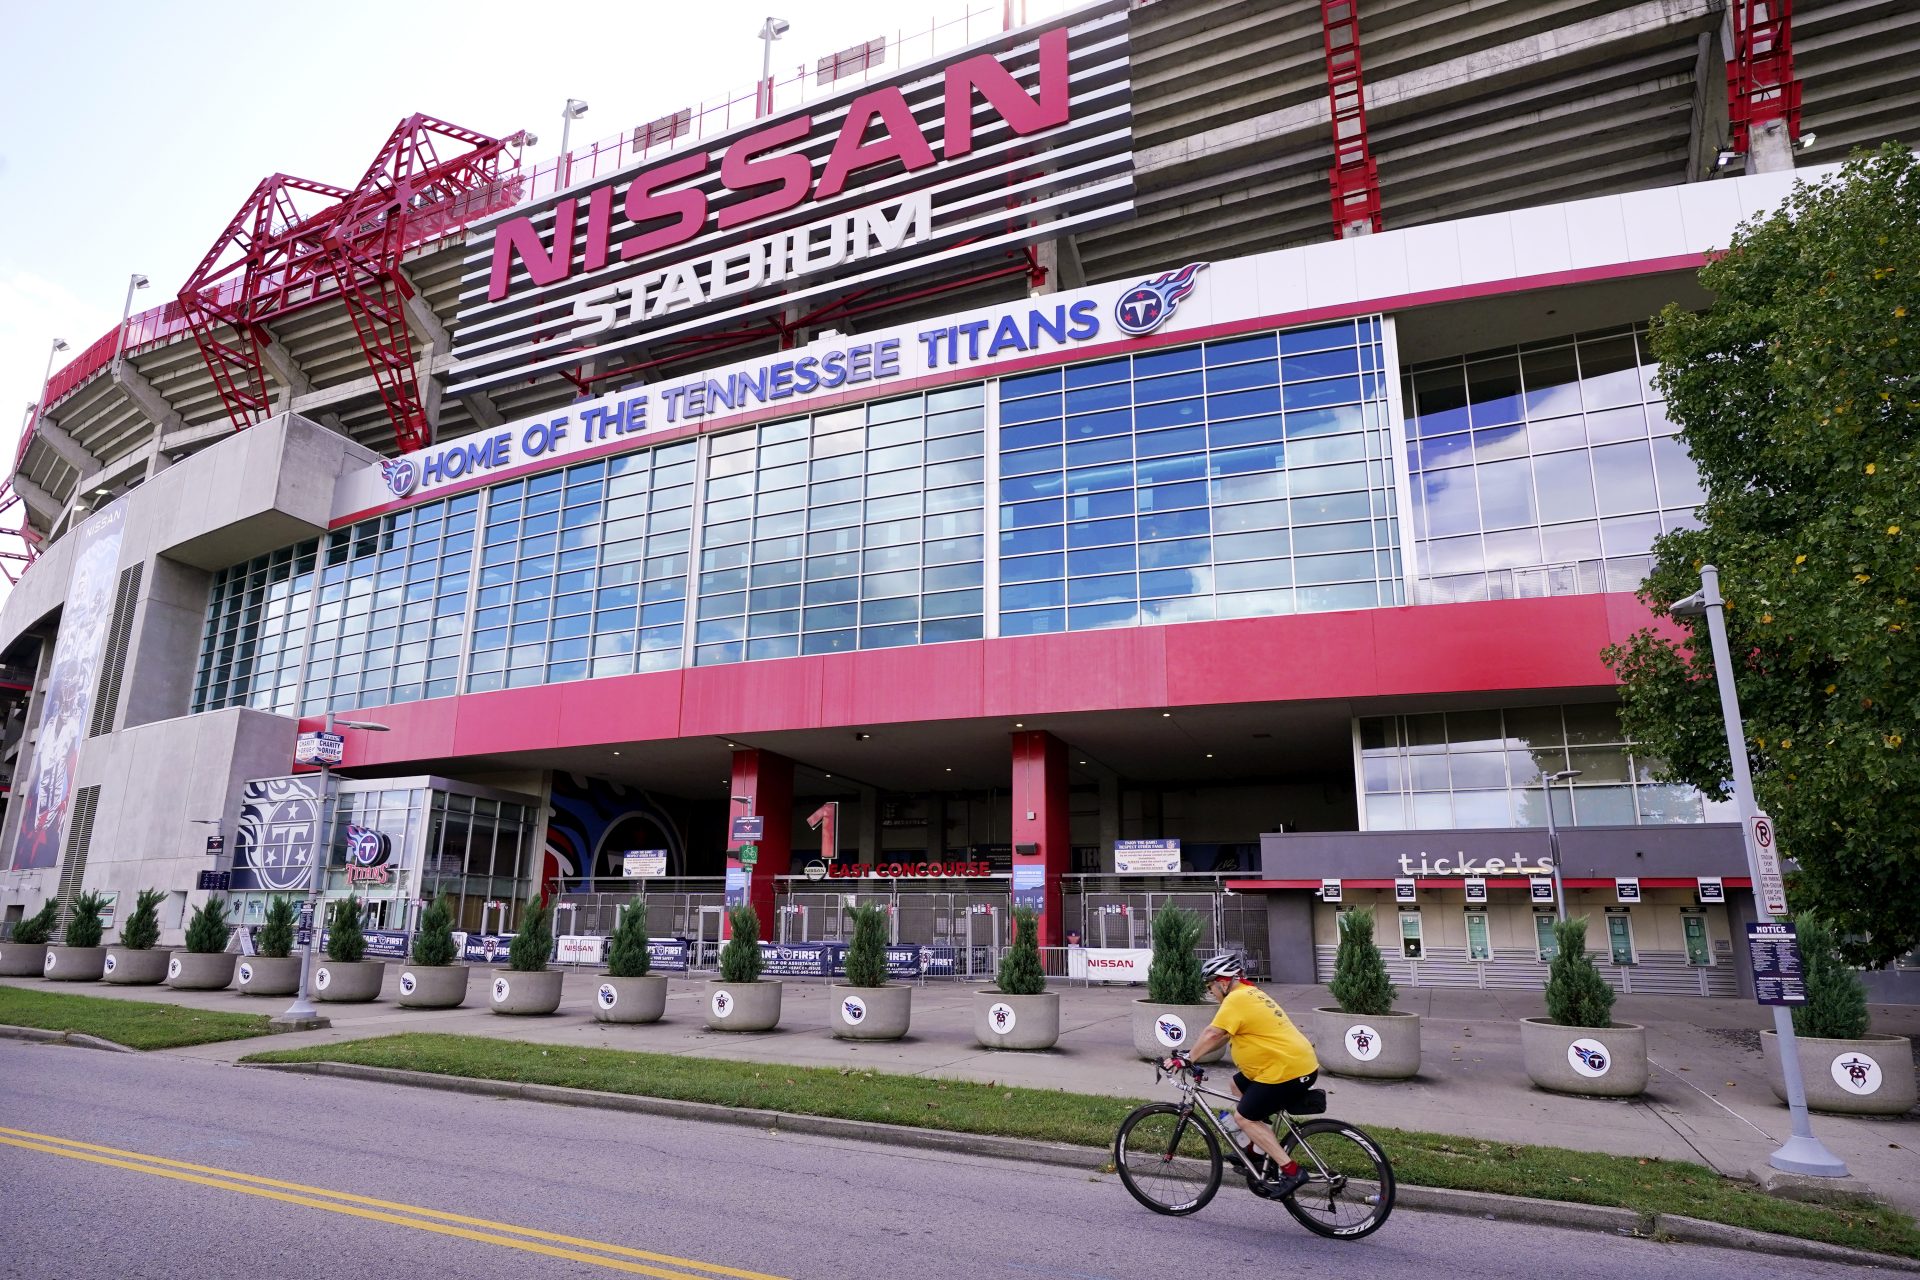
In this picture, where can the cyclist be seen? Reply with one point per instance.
(1277, 1065)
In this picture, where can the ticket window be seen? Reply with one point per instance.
(1693, 926)
(1620, 937)
(1544, 942)
(1479, 938)
(1412, 944)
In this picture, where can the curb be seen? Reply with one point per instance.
(1476, 1204)
(62, 1037)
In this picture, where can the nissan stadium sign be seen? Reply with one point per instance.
(1023, 137)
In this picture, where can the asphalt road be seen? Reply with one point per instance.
(273, 1175)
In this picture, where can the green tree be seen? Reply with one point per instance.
(208, 931)
(740, 958)
(346, 943)
(1577, 996)
(276, 935)
(85, 928)
(1797, 392)
(1836, 1007)
(533, 944)
(38, 927)
(1360, 982)
(142, 929)
(433, 945)
(1174, 976)
(627, 953)
(867, 953)
(1021, 973)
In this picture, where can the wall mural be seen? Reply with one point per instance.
(68, 701)
(279, 825)
(591, 822)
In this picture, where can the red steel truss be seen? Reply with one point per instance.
(1355, 180)
(289, 255)
(1761, 86)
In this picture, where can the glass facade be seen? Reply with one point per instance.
(1545, 469)
(1461, 769)
(1239, 478)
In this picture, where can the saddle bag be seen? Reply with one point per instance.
(1313, 1104)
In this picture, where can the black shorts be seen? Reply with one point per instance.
(1259, 1101)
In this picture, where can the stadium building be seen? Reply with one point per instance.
(1190, 450)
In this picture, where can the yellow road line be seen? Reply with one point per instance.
(348, 1203)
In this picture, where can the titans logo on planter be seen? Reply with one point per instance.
(1149, 304)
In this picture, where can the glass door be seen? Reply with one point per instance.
(1544, 941)
(1620, 936)
(1699, 950)
(1479, 942)
(1411, 941)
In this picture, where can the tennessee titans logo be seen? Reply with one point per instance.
(1595, 1060)
(1361, 1040)
(1149, 304)
(401, 474)
(1172, 1032)
(366, 847)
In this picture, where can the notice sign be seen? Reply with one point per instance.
(643, 864)
(1329, 891)
(1777, 978)
(1476, 889)
(750, 826)
(1404, 890)
(1773, 891)
(1712, 890)
(1146, 857)
(1541, 888)
(1627, 889)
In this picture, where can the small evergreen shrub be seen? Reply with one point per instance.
(38, 927)
(85, 928)
(276, 935)
(345, 941)
(867, 953)
(1020, 971)
(1577, 996)
(627, 953)
(433, 945)
(208, 931)
(740, 958)
(1174, 977)
(142, 929)
(1360, 984)
(533, 944)
(1836, 1007)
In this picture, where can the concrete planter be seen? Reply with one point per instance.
(200, 971)
(268, 976)
(74, 964)
(22, 959)
(348, 982)
(1382, 1046)
(433, 986)
(630, 1000)
(130, 968)
(871, 1013)
(1159, 1029)
(1600, 1062)
(1870, 1077)
(1016, 1022)
(520, 994)
(742, 1006)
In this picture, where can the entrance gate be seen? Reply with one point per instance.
(965, 922)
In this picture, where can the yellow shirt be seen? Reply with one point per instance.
(1267, 1047)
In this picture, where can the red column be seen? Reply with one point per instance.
(763, 784)
(1040, 831)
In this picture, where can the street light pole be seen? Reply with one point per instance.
(1802, 1153)
(59, 345)
(574, 109)
(1553, 833)
(770, 30)
(135, 281)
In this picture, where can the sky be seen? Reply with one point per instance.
(130, 132)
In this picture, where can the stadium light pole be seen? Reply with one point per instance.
(770, 30)
(302, 1012)
(1801, 1153)
(134, 281)
(1553, 832)
(59, 345)
(568, 114)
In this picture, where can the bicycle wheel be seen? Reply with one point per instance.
(1349, 1188)
(1168, 1159)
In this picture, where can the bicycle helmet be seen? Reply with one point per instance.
(1222, 966)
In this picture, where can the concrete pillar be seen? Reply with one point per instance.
(936, 810)
(1042, 854)
(763, 784)
(1770, 149)
(867, 837)
(1290, 936)
(1109, 819)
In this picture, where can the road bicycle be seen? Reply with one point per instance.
(1169, 1157)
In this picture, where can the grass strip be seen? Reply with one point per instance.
(1647, 1186)
(137, 1024)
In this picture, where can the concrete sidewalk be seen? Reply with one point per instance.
(1708, 1100)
